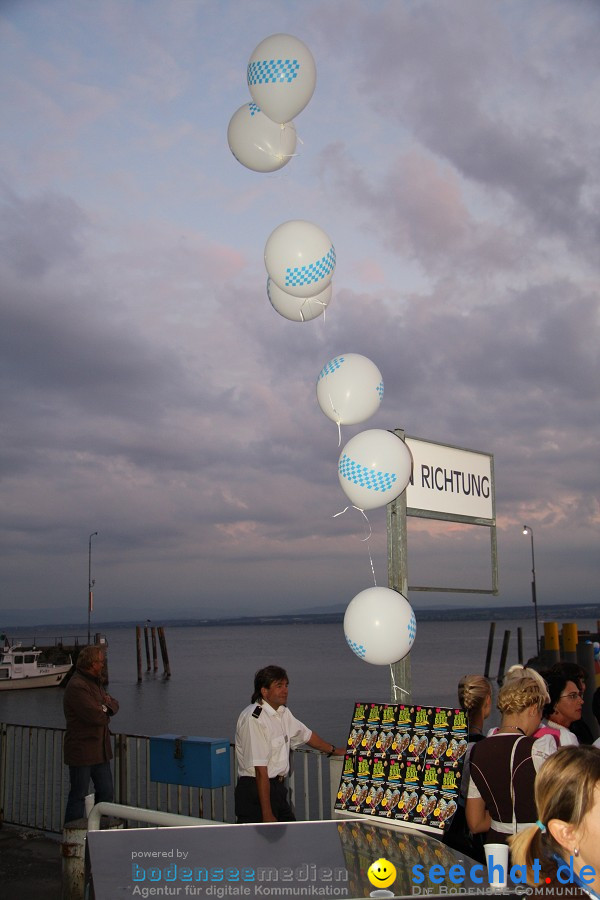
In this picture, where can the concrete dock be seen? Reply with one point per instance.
(30, 864)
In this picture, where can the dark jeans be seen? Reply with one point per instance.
(80, 776)
(247, 804)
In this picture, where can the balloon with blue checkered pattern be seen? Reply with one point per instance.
(281, 76)
(259, 143)
(380, 626)
(300, 258)
(298, 309)
(374, 468)
(349, 389)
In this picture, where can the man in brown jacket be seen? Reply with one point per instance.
(87, 748)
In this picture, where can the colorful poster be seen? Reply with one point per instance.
(404, 763)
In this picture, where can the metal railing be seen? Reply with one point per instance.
(34, 782)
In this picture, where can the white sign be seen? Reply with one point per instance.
(450, 480)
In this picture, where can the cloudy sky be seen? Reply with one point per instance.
(151, 393)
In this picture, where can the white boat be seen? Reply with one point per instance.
(20, 667)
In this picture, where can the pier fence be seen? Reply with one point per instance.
(34, 782)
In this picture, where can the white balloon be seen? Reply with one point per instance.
(297, 309)
(259, 143)
(281, 76)
(374, 468)
(349, 389)
(380, 626)
(300, 258)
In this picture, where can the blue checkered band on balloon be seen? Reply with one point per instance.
(253, 109)
(270, 71)
(311, 273)
(364, 477)
(379, 390)
(331, 367)
(356, 648)
(412, 628)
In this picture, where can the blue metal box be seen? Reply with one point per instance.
(190, 761)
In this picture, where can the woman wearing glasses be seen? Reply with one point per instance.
(564, 708)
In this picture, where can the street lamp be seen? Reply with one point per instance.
(90, 583)
(528, 530)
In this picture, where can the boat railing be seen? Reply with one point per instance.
(34, 782)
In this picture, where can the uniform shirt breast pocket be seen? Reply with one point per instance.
(279, 746)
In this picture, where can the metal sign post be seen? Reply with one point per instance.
(398, 581)
(447, 483)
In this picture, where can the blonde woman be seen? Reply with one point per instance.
(500, 799)
(474, 696)
(567, 832)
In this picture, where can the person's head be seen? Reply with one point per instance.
(519, 671)
(566, 698)
(572, 671)
(521, 699)
(271, 685)
(91, 660)
(567, 798)
(475, 694)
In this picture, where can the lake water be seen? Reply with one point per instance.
(212, 672)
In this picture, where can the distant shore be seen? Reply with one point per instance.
(336, 616)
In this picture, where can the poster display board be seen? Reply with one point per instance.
(404, 764)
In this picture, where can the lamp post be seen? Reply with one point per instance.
(528, 530)
(90, 583)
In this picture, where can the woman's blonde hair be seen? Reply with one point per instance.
(473, 690)
(520, 691)
(519, 671)
(564, 789)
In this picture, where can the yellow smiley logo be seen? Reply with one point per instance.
(381, 873)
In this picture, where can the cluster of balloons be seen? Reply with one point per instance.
(375, 466)
(373, 469)
(300, 262)
(281, 78)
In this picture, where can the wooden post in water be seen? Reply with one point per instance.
(147, 648)
(488, 656)
(163, 650)
(154, 656)
(551, 644)
(138, 647)
(503, 655)
(520, 645)
(570, 640)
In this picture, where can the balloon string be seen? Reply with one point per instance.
(342, 511)
(371, 561)
(367, 538)
(352, 506)
(338, 420)
(396, 687)
(314, 300)
(311, 300)
(281, 155)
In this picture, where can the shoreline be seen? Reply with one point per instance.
(336, 616)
